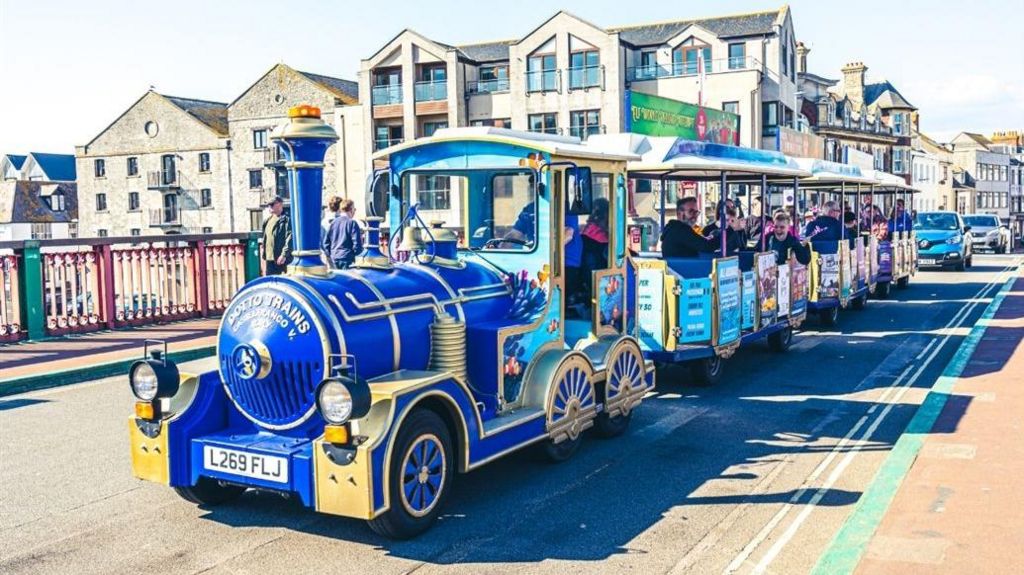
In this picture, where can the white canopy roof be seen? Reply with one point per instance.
(827, 173)
(549, 143)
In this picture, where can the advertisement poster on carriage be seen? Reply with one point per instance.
(828, 266)
(872, 257)
(862, 263)
(798, 289)
(727, 278)
(649, 303)
(749, 294)
(784, 285)
(845, 275)
(767, 280)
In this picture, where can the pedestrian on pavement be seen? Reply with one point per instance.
(277, 239)
(333, 210)
(344, 240)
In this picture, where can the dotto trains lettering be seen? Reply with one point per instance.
(265, 309)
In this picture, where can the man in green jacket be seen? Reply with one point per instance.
(277, 239)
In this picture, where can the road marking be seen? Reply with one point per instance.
(848, 545)
(895, 388)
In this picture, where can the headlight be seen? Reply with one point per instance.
(144, 382)
(342, 398)
(954, 239)
(335, 402)
(154, 378)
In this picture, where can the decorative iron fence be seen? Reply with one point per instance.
(55, 287)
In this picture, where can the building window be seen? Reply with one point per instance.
(585, 123)
(543, 123)
(648, 68)
(101, 233)
(898, 165)
(433, 192)
(584, 69)
(42, 231)
(493, 122)
(205, 198)
(433, 84)
(133, 201)
(101, 202)
(684, 60)
(204, 162)
(255, 179)
(731, 107)
(100, 168)
(737, 56)
(492, 79)
(879, 154)
(56, 202)
(769, 118)
(73, 230)
(259, 139)
(430, 127)
(541, 74)
(256, 220)
(133, 166)
(387, 87)
(135, 232)
(387, 135)
(207, 230)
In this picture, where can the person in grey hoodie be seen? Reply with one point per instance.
(344, 239)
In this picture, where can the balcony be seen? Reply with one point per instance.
(164, 180)
(680, 69)
(494, 86)
(386, 95)
(380, 144)
(431, 91)
(585, 77)
(583, 132)
(164, 217)
(543, 81)
(272, 157)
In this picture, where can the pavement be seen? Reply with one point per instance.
(760, 474)
(58, 361)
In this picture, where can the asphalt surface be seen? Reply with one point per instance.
(754, 475)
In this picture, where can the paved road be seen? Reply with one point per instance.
(755, 475)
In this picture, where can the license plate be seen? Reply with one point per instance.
(927, 262)
(256, 466)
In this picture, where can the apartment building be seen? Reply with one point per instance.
(986, 176)
(571, 77)
(943, 180)
(1012, 143)
(160, 167)
(38, 197)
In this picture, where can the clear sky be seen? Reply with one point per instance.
(69, 67)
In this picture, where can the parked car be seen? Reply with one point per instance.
(989, 233)
(943, 240)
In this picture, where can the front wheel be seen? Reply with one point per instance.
(829, 317)
(707, 371)
(209, 491)
(961, 266)
(860, 302)
(419, 477)
(780, 340)
(882, 290)
(903, 282)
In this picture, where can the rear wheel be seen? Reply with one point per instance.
(707, 371)
(903, 282)
(419, 477)
(829, 317)
(860, 301)
(780, 340)
(209, 491)
(882, 290)
(571, 410)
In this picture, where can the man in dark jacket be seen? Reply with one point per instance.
(826, 226)
(901, 221)
(344, 239)
(781, 242)
(277, 239)
(679, 239)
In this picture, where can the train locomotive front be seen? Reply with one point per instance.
(361, 392)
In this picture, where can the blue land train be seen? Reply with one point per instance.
(509, 321)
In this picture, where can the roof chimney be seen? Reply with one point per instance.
(801, 57)
(853, 83)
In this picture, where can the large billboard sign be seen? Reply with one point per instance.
(799, 144)
(657, 116)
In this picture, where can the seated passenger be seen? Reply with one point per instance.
(901, 220)
(781, 242)
(850, 223)
(826, 226)
(735, 234)
(595, 237)
(679, 239)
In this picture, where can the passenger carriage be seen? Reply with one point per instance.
(698, 311)
(897, 253)
(361, 392)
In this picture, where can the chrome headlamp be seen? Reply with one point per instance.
(341, 398)
(154, 378)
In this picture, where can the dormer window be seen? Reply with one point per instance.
(685, 58)
(57, 202)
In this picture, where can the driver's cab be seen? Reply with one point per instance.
(548, 213)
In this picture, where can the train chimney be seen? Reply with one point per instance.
(303, 143)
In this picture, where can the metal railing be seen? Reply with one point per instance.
(431, 91)
(163, 179)
(678, 69)
(386, 95)
(543, 81)
(583, 132)
(83, 285)
(164, 217)
(585, 77)
(380, 144)
(488, 86)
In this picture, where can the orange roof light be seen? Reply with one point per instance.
(304, 111)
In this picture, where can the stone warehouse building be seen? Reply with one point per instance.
(182, 165)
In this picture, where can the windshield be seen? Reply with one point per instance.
(982, 221)
(936, 221)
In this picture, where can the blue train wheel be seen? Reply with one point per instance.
(419, 476)
(707, 371)
(210, 492)
(624, 380)
(571, 409)
(829, 316)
